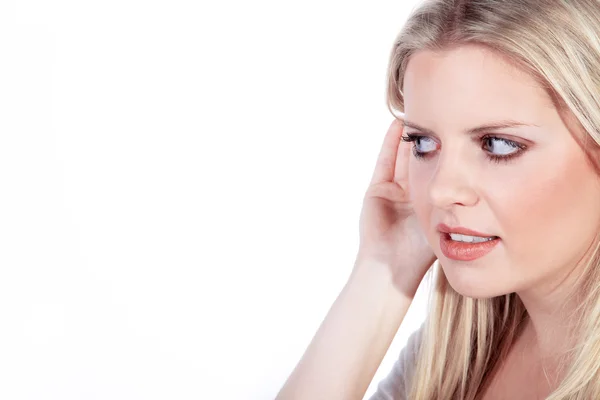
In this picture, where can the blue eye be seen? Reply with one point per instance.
(507, 149)
(428, 145)
(417, 139)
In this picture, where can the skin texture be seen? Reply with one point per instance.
(543, 203)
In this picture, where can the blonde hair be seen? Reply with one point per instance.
(558, 43)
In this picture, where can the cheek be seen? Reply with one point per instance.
(418, 179)
(545, 208)
(547, 212)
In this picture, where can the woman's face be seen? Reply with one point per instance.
(542, 200)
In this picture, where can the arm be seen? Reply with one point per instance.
(347, 349)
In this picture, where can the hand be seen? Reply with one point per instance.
(389, 231)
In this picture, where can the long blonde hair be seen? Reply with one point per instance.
(558, 43)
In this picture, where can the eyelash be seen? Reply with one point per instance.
(494, 158)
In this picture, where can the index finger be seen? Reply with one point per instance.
(402, 159)
(386, 168)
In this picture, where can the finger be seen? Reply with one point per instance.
(386, 161)
(402, 159)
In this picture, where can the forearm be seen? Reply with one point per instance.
(347, 349)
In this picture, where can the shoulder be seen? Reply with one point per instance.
(396, 384)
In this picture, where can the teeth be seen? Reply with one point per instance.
(469, 239)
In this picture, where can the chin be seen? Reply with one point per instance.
(471, 282)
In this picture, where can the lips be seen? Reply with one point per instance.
(459, 229)
(462, 251)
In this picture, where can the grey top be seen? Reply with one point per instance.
(395, 385)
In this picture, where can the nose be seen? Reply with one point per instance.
(452, 183)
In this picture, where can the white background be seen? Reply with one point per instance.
(180, 189)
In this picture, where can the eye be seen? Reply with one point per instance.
(496, 149)
(423, 144)
(501, 149)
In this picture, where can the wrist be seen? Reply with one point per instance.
(377, 277)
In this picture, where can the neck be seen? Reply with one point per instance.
(552, 310)
(550, 328)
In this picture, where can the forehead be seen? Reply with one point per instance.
(473, 83)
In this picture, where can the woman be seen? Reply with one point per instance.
(490, 173)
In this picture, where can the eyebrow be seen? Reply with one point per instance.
(479, 129)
